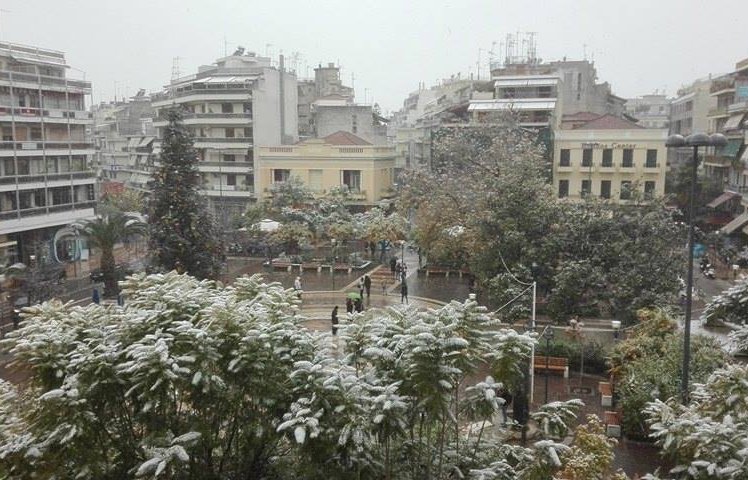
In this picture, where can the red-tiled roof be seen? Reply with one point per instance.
(608, 122)
(344, 138)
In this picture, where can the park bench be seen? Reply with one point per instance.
(445, 270)
(612, 424)
(555, 364)
(606, 394)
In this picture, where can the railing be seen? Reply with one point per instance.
(49, 113)
(280, 149)
(36, 211)
(223, 139)
(719, 85)
(651, 165)
(225, 164)
(239, 88)
(188, 115)
(737, 106)
(717, 111)
(44, 80)
(39, 145)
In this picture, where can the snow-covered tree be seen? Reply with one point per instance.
(183, 235)
(708, 438)
(729, 306)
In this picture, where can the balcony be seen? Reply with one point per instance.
(53, 82)
(36, 211)
(39, 145)
(717, 112)
(719, 87)
(164, 99)
(738, 107)
(209, 119)
(29, 114)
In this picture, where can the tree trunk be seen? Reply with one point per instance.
(108, 271)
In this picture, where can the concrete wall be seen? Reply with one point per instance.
(356, 119)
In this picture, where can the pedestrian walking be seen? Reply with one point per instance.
(398, 270)
(95, 296)
(348, 305)
(393, 266)
(404, 292)
(361, 286)
(384, 287)
(367, 285)
(334, 320)
(297, 287)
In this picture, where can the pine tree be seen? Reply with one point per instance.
(183, 235)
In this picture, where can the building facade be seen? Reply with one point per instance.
(231, 107)
(340, 159)
(611, 158)
(326, 84)
(46, 175)
(651, 111)
(688, 114)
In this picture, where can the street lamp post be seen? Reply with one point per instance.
(548, 335)
(332, 265)
(695, 140)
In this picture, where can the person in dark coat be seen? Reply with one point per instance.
(359, 304)
(335, 320)
(504, 393)
(404, 292)
(349, 305)
(393, 266)
(95, 296)
(367, 285)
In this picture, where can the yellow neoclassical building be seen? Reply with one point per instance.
(338, 159)
(608, 157)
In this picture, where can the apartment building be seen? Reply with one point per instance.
(325, 85)
(46, 179)
(688, 114)
(729, 164)
(341, 158)
(124, 136)
(608, 157)
(232, 106)
(650, 111)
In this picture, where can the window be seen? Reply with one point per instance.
(587, 157)
(25, 200)
(23, 166)
(247, 132)
(544, 92)
(90, 193)
(352, 179)
(586, 187)
(605, 189)
(61, 196)
(249, 181)
(36, 133)
(231, 179)
(229, 133)
(649, 189)
(281, 175)
(651, 159)
(607, 157)
(248, 109)
(628, 158)
(563, 188)
(625, 190)
(565, 157)
(40, 197)
(227, 108)
(229, 158)
(7, 134)
(315, 180)
(9, 167)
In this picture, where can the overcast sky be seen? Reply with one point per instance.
(389, 45)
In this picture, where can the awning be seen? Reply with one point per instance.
(511, 104)
(526, 82)
(733, 122)
(132, 142)
(722, 199)
(739, 221)
(145, 141)
(732, 148)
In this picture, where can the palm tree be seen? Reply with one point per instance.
(104, 232)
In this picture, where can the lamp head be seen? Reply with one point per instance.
(675, 141)
(698, 140)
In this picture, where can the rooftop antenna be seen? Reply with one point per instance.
(225, 46)
(175, 74)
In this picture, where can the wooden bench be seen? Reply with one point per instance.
(606, 394)
(612, 422)
(445, 270)
(555, 364)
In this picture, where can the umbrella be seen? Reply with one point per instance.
(354, 296)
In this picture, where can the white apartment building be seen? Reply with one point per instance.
(232, 106)
(46, 179)
(651, 111)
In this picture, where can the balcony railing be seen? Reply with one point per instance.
(223, 139)
(36, 211)
(189, 115)
(44, 80)
(39, 145)
(49, 177)
(238, 89)
(716, 112)
(60, 113)
(719, 85)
